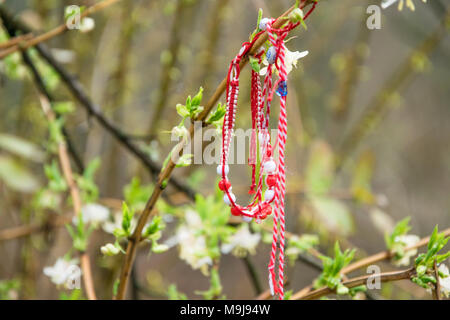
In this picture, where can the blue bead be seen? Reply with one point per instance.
(282, 89)
(271, 55)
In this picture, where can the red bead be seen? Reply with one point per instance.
(224, 184)
(271, 180)
(235, 211)
(269, 151)
(266, 210)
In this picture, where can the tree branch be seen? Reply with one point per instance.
(358, 281)
(25, 44)
(75, 194)
(384, 255)
(167, 172)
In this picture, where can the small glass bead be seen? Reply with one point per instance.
(224, 184)
(227, 200)
(269, 167)
(271, 55)
(271, 180)
(219, 169)
(263, 23)
(235, 211)
(282, 89)
(269, 194)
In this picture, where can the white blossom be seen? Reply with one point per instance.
(291, 59)
(192, 246)
(109, 249)
(406, 240)
(87, 24)
(242, 242)
(110, 225)
(193, 249)
(116, 223)
(61, 271)
(179, 131)
(409, 3)
(93, 213)
(444, 281)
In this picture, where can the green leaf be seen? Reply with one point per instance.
(56, 183)
(155, 225)
(127, 216)
(136, 195)
(9, 289)
(182, 110)
(260, 14)
(70, 11)
(80, 234)
(254, 63)
(86, 182)
(218, 114)
(55, 130)
(159, 248)
(401, 228)
(424, 263)
(185, 160)
(215, 289)
(116, 287)
(174, 294)
(330, 275)
(63, 107)
(75, 294)
(197, 98)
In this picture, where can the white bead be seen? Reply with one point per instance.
(271, 55)
(263, 23)
(269, 194)
(270, 167)
(261, 137)
(219, 169)
(247, 219)
(227, 200)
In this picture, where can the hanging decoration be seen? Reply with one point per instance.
(268, 171)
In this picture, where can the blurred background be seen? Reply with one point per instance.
(368, 129)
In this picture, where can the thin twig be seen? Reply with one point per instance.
(310, 258)
(15, 40)
(56, 31)
(358, 281)
(75, 194)
(384, 255)
(437, 286)
(26, 230)
(165, 175)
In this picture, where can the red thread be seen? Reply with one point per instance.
(275, 181)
